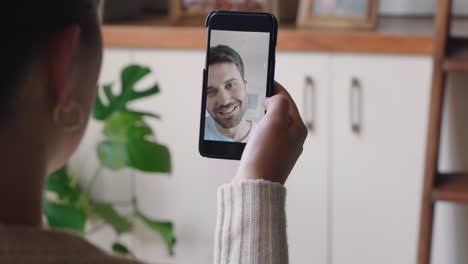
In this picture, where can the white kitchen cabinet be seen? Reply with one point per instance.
(368, 181)
(377, 172)
(306, 77)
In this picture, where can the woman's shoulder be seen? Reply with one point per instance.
(24, 244)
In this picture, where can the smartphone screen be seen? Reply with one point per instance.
(238, 77)
(237, 84)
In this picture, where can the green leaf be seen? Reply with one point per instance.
(121, 124)
(108, 92)
(59, 183)
(113, 154)
(100, 111)
(61, 173)
(83, 203)
(130, 143)
(130, 76)
(109, 215)
(149, 157)
(146, 114)
(64, 216)
(121, 249)
(165, 229)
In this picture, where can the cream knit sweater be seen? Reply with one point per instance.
(251, 225)
(251, 229)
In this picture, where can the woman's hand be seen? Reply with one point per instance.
(276, 143)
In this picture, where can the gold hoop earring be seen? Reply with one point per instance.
(69, 119)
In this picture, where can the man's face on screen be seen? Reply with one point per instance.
(226, 95)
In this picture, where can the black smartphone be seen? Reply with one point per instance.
(238, 75)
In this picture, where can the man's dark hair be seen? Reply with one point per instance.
(28, 26)
(222, 53)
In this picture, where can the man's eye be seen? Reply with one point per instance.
(230, 85)
(211, 92)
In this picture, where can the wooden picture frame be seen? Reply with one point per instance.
(367, 21)
(285, 11)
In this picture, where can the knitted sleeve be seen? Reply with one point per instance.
(251, 224)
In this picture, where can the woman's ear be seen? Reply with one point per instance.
(62, 53)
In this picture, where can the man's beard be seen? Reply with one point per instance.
(238, 119)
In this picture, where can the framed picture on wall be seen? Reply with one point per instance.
(195, 11)
(340, 14)
(243, 5)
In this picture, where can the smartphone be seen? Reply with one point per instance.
(238, 75)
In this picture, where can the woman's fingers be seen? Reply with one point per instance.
(279, 89)
(298, 125)
(277, 109)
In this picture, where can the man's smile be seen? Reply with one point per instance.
(226, 112)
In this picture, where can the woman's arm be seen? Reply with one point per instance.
(251, 225)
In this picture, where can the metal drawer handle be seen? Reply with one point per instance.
(310, 103)
(356, 105)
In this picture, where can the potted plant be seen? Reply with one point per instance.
(128, 142)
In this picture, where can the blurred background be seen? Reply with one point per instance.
(363, 85)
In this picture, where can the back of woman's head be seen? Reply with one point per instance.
(27, 26)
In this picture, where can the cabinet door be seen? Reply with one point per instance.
(379, 130)
(306, 77)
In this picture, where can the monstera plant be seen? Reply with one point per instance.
(128, 142)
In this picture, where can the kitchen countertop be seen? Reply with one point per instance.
(392, 36)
